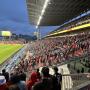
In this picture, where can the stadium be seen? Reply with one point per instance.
(57, 60)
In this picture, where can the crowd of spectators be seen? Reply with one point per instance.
(45, 52)
(51, 51)
(54, 51)
(12, 41)
(37, 80)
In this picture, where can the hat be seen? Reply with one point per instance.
(2, 80)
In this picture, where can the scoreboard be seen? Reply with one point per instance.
(5, 33)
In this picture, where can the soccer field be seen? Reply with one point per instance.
(7, 50)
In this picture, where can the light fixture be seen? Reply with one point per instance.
(42, 12)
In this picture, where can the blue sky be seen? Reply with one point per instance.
(14, 17)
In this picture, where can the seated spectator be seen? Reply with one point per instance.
(22, 83)
(22, 76)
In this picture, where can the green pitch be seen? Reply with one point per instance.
(7, 50)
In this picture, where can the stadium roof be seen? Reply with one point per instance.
(86, 14)
(81, 28)
(55, 12)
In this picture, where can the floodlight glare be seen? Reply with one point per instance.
(42, 12)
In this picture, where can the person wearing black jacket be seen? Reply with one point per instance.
(57, 78)
(46, 81)
(6, 74)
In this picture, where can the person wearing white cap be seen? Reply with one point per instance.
(2, 80)
(3, 85)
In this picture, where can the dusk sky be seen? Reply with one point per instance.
(14, 17)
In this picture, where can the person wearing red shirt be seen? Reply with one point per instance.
(33, 79)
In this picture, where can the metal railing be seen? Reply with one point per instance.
(73, 81)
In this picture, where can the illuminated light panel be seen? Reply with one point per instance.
(6, 33)
(80, 27)
(42, 12)
(72, 29)
(64, 36)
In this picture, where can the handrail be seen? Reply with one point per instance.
(73, 81)
(83, 85)
(75, 74)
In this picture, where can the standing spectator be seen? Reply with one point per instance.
(17, 82)
(14, 81)
(82, 70)
(22, 76)
(46, 82)
(58, 78)
(6, 74)
(38, 74)
(22, 84)
(32, 80)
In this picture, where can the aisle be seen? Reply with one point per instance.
(67, 82)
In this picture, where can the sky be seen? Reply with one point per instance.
(14, 17)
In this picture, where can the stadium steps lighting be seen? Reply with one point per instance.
(72, 29)
(42, 12)
(78, 17)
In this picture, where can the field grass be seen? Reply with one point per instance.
(7, 50)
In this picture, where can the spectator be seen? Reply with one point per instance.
(3, 85)
(46, 82)
(18, 82)
(58, 78)
(32, 80)
(38, 74)
(82, 70)
(22, 84)
(6, 74)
